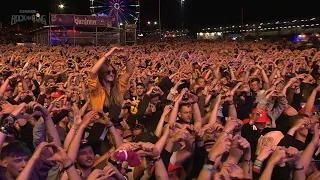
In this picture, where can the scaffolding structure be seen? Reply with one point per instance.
(65, 29)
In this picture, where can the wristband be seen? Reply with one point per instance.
(298, 169)
(208, 169)
(13, 117)
(256, 169)
(75, 128)
(227, 133)
(208, 161)
(249, 164)
(68, 167)
(109, 125)
(257, 163)
(156, 159)
(231, 103)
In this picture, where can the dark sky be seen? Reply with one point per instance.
(198, 13)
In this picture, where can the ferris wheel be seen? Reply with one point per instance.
(126, 11)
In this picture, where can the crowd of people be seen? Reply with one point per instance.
(161, 110)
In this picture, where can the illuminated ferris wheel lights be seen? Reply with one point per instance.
(125, 11)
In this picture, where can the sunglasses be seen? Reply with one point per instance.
(138, 126)
(315, 113)
(113, 72)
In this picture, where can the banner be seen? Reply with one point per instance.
(83, 20)
(28, 15)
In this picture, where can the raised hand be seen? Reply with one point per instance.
(6, 107)
(278, 156)
(76, 114)
(167, 109)
(104, 119)
(179, 98)
(37, 152)
(34, 105)
(292, 154)
(148, 149)
(235, 171)
(179, 135)
(58, 153)
(232, 124)
(242, 142)
(264, 149)
(220, 147)
(87, 118)
(223, 174)
(210, 128)
(97, 174)
(111, 171)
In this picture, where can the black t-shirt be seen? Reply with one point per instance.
(282, 123)
(253, 136)
(3, 171)
(289, 140)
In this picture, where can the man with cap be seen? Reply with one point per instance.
(8, 94)
(255, 126)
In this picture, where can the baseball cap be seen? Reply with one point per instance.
(172, 168)
(262, 119)
(56, 94)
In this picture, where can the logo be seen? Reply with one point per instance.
(29, 15)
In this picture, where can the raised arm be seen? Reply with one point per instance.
(13, 114)
(175, 109)
(264, 77)
(94, 70)
(75, 143)
(276, 157)
(310, 101)
(213, 115)
(273, 73)
(2, 139)
(306, 156)
(50, 127)
(117, 139)
(129, 71)
(197, 116)
(165, 113)
(27, 170)
(74, 128)
(5, 84)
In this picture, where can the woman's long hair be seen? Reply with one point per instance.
(16, 92)
(115, 95)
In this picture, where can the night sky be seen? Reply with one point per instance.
(198, 13)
